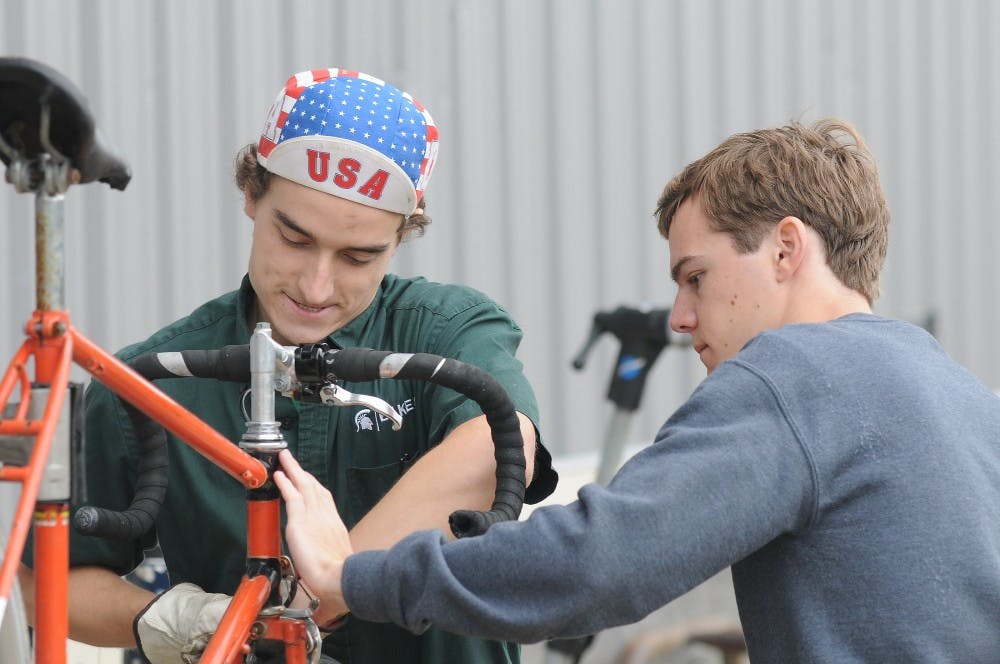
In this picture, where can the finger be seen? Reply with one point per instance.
(284, 485)
(292, 471)
(301, 479)
(289, 464)
(308, 490)
(292, 497)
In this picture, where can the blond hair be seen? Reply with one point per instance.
(823, 174)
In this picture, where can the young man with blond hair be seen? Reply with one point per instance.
(840, 462)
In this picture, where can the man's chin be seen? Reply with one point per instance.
(297, 335)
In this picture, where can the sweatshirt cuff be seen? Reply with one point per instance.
(361, 582)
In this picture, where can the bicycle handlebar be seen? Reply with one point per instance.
(229, 363)
(151, 487)
(232, 363)
(153, 465)
(365, 364)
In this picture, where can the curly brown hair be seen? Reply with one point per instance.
(254, 179)
(823, 174)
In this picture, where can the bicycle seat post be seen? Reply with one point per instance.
(49, 236)
(48, 175)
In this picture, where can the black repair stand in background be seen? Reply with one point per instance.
(643, 334)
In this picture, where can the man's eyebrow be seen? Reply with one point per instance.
(286, 221)
(675, 271)
(372, 248)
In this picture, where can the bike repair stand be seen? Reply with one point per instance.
(643, 334)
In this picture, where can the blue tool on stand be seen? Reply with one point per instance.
(643, 334)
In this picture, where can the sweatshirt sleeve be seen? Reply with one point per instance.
(726, 474)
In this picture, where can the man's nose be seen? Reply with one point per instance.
(682, 317)
(316, 282)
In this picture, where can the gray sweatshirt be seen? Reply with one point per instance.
(849, 472)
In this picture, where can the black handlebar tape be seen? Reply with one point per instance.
(359, 364)
(151, 487)
(230, 363)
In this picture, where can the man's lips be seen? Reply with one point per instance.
(305, 307)
(700, 347)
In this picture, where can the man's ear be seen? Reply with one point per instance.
(790, 246)
(249, 204)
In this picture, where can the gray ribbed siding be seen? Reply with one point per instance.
(560, 121)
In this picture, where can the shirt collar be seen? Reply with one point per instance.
(355, 332)
(244, 300)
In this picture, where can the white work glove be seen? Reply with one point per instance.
(177, 625)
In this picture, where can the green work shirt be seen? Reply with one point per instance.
(352, 450)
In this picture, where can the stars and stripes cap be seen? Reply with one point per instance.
(351, 135)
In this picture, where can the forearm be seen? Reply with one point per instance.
(564, 572)
(102, 605)
(615, 554)
(507, 587)
(460, 473)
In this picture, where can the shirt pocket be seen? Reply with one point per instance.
(367, 486)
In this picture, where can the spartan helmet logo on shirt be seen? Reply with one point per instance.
(364, 421)
(367, 419)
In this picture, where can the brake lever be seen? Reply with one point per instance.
(332, 394)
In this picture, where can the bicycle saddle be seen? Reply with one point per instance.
(26, 87)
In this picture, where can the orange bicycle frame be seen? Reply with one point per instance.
(53, 344)
(33, 97)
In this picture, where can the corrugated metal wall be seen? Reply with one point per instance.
(560, 122)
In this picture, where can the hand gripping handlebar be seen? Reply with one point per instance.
(318, 365)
